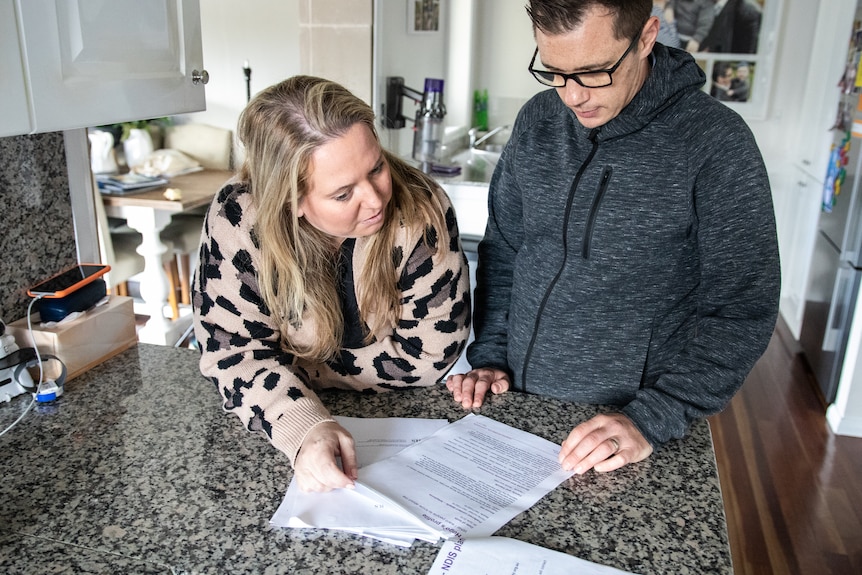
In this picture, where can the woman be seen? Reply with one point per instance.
(327, 263)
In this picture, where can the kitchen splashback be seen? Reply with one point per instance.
(37, 236)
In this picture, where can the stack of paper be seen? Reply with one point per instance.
(360, 510)
(427, 479)
(469, 478)
(128, 183)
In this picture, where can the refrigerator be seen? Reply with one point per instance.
(836, 268)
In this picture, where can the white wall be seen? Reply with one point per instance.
(413, 57)
(485, 44)
(845, 415)
(776, 134)
(504, 44)
(264, 32)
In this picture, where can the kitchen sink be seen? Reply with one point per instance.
(476, 165)
(468, 190)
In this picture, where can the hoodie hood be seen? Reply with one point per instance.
(674, 75)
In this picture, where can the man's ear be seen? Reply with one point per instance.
(649, 34)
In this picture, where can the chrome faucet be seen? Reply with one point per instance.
(474, 132)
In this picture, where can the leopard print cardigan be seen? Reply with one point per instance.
(271, 390)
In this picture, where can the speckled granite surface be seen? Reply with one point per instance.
(136, 469)
(38, 235)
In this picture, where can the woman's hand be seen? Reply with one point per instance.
(315, 466)
(604, 443)
(469, 389)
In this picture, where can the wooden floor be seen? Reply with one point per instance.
(792, 489)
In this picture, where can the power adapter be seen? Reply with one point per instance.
(48, 391)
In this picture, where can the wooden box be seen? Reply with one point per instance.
(84, 342)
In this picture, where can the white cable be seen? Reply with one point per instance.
(38, 359)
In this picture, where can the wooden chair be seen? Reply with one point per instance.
(118, 246)
(211, 147)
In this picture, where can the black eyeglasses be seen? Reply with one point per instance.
(588, 79)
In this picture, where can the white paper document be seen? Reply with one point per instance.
(377, 438)
(359, 510)
(468, 478)
(504, 556)
(471, 477)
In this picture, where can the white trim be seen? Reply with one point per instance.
(842, 425)
(81, 195)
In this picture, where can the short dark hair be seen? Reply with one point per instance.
(561, 16)
(720, 70)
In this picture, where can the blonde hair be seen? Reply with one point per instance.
(280, 129)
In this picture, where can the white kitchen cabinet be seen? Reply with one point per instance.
(800, 214)
(470, 201)
(80, 63)
(14, 109)
(820, 101)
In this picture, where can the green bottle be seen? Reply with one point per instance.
(480, 110)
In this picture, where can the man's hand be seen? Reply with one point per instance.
(469, 389)
(604, 443)
(315, 466)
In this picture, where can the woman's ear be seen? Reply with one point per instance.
(300, 213)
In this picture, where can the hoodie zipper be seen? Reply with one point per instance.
(594, 210)
(593, 137)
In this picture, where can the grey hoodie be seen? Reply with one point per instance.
(634, 264)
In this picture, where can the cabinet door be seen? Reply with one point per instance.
(797, 235)
(820, 102)
(93, 62)
(14, 109)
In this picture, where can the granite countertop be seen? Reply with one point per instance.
(137, 469)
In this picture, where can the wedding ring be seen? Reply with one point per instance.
(616, 444)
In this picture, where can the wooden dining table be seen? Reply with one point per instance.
(149, 212)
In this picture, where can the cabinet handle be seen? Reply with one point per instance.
(200, 77)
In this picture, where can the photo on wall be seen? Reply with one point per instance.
(718, 27)
(732, 80)
(423, 16)
(730, 41)
(735, 27)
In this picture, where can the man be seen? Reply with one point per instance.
(740, 86)
(722, 79)
(736, 27)
(667, 33)
(630, 256)
(693, 21)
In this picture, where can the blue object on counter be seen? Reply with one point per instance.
(55, 309)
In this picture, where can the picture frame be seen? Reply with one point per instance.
(424, 16)
(723, 61)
